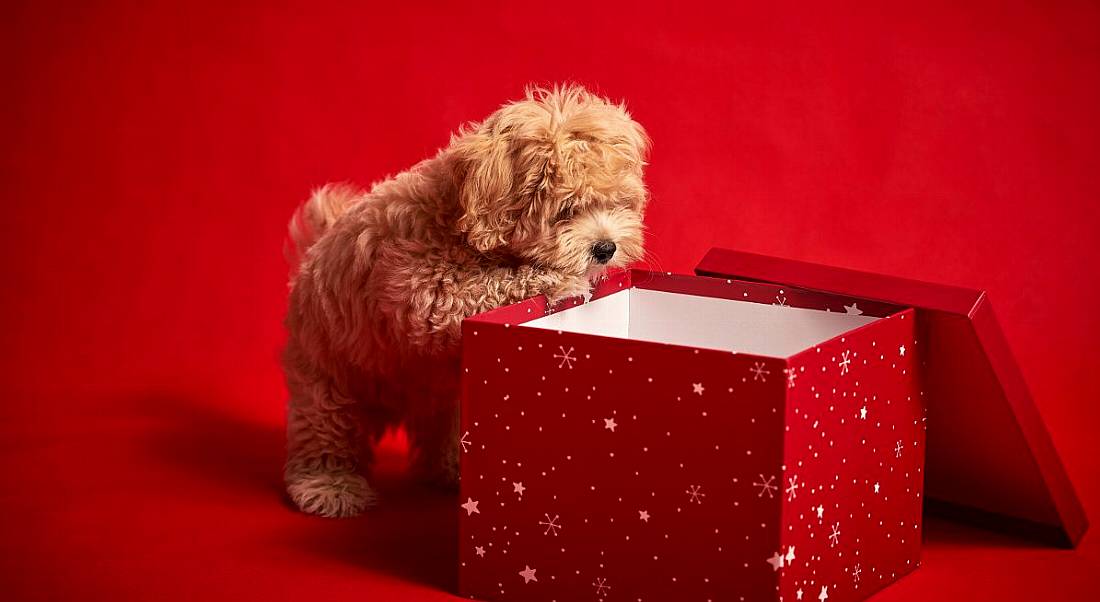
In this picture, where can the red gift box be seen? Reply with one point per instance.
(685, 437)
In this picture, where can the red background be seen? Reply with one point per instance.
(152, 155)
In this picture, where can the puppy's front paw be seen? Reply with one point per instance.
(569, 286)
(332, 495)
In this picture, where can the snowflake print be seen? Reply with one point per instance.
(897, 449)
(834, 537)
(695, 494)
(601, 586)
(856, 572)
(792, 488)
(465, 441)
(759, 372)
(566, 357)
(790, 377)
(844, 362)
(766, 486)
(552, 525)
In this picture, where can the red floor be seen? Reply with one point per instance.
(151, 153)
(170, 499)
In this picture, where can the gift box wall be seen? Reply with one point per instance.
(598, 468)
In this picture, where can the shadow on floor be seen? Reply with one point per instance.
(411, 535)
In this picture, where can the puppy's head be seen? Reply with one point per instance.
(554, 179)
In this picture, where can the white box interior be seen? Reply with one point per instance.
(707, 322)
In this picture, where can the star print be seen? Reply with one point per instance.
(901, 350)
(697, 388)
(876, 487)
(470, 507)
(480, 551)
(790, 555)
(853, 310)
(799, 593)
(643, 515)
(519, 488)
(528, 574)
(820, 512)
(824, 595)
(776, 561)
(609, 424)
(863, 413)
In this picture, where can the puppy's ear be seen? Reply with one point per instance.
(486, 178)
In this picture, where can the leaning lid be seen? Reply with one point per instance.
(989, 456)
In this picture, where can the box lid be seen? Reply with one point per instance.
(990, 457)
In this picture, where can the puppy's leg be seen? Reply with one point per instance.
(435, 444)
(324, 446)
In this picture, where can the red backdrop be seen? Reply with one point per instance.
(152, 155)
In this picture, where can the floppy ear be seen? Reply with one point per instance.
(485, 189)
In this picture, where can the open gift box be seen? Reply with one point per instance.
(754, 433)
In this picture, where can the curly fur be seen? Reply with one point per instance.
(381, 280)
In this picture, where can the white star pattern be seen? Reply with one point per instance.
(901, 351)
(518, 488)
(824, 595)
(863, 413)
(853, 310)
(643, 516)
(780, 560)
(790, 377)
(470, 507)
(776, 561)
(876, 487)
(820, 512)
(566, 357)
(798, 594)
(697, 388)
(759, 372)
(528, 574)
(480, 551)
(609, 424)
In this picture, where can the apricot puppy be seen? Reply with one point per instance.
(539, 198)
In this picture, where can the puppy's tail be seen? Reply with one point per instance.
(314, 218)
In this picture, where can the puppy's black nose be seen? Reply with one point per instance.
(603, 251)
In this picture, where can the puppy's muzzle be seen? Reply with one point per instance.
(603, 251)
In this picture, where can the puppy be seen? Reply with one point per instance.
(538, 199)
